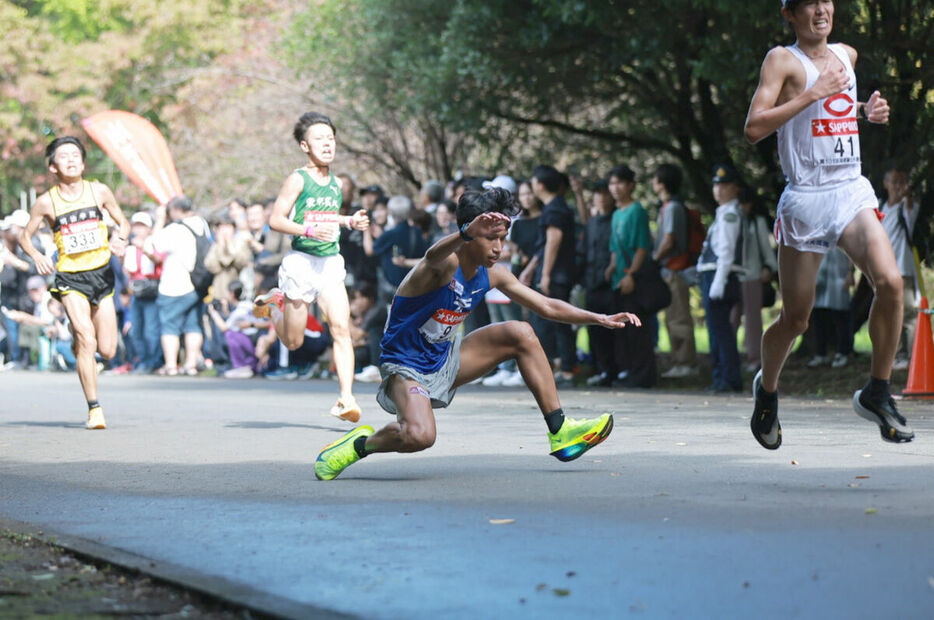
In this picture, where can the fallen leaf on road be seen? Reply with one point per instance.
(561, 591)
(794, 462)
(853, 485)
(541, 587)
(861, 477)
(502, 521)
(871, 511)
(681, 443)
(867, 456)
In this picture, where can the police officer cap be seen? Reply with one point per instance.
(725, 173)
(371, 189)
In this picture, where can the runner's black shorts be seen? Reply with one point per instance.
(94, 285)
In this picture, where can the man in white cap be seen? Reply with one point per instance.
(84, 282)
(807, 93)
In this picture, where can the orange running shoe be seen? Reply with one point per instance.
(262, 305)
(346, 409)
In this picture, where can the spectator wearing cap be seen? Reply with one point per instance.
(181, 310)
(552, 269)
(15, 269)
(369, 195)
(500, 307)
(719, 266)
(32, 324)
(671, 252)
(143, 275)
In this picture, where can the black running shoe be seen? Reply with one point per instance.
(893, 425)
(764, 423)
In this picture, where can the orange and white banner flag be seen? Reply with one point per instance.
(138, 149)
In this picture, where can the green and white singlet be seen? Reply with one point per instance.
(317, 205)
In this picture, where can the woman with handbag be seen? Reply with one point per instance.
(757, 288)
(143, 274)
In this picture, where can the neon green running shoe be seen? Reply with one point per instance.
(577, 436)
(338, 456)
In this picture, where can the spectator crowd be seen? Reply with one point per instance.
(184, 289)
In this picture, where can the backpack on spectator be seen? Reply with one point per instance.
(697, 232)
(201, 278)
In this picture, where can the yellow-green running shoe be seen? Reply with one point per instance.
(337, 456)
(577, 436)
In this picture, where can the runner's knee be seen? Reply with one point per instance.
(889, 287)
(795, 320)
(523, 333)
(416, 438)
(84, 337)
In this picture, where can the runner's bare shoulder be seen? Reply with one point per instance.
(851, 52)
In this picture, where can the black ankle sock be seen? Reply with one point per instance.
(92, 404)
(554, 420)
(359, 444)
(767, 397)
(877, 388)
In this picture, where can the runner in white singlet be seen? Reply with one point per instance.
(807, 93)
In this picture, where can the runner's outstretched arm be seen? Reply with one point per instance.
(555, 309)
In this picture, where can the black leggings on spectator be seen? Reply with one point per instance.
(601, 300)
(634, 347)
(557, 338)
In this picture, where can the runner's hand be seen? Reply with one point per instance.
(877, 108)
(326, 232)
(44, 266)
(487, 224)
(117, 246)
(832, 80)
(619, 320)
(360, 220)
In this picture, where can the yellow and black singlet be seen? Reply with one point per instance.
(79, 231)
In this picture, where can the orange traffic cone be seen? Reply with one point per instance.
(921, 370)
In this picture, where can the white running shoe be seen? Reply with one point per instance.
(369, 374)
(241, 372)
(514, 380)
(818, 360)
(839, 360)
(95, 420)
(497, 380)
(677, 372)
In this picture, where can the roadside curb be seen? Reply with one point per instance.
(216, 588)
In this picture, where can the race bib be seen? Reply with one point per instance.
(441, 325)
(836, 135)
(322, 218)
(83, 236)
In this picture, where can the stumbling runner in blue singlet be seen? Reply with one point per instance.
(420, 329)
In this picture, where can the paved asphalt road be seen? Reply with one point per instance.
(678, 514)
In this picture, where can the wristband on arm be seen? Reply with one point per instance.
(309, 230)
(464, 234)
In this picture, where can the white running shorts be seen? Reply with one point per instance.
(303, 276)
(812, 219)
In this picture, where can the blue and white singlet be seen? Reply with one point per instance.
(419, 330)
